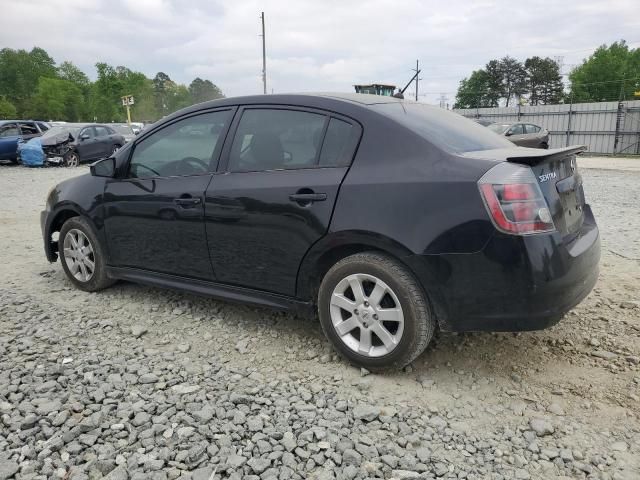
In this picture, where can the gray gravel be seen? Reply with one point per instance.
(139, 383)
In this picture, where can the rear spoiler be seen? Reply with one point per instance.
(545, 155)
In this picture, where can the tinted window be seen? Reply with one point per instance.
(531, 129)
(28, 129)
(448, 130)
(276, 139)
(101, 131)
(185, 147)
(516, 129)
(9, 130)
(43, 127)
(336, 143)
(87, 132)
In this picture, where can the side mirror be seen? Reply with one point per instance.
(508, 133)
(104, 168)
(84, 136)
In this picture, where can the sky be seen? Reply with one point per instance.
(321, 45)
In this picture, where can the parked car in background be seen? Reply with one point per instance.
(484, 123)
(334, 204)
(13, 132)
(125, 130)
(137, 127)
(523, 134)
(76, 143)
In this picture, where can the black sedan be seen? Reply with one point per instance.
(387, 218)
(74, 143)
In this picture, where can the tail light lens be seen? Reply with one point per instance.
(514, 200)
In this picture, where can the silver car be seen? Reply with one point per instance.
(523, 134)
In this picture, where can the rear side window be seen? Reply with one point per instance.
(101, 131)
(273, 139)
(445, 129)
(28, 129)
(43, 127)
(336, 147)
(531, 129)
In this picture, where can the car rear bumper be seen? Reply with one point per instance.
(515, 283)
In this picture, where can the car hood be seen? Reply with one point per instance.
(61, 137)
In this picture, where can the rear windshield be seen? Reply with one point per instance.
(448, 130)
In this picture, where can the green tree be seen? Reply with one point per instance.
(544, 81)
(20, 72)
(610, 73)
(7, 110)
(475, 91)
(203, 90)
(161, 86)
(68, 71)
(56, 99)
(514, 79)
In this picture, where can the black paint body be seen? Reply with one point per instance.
(246, 240)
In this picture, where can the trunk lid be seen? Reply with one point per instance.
(558, 177)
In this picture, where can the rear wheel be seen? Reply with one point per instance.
(82, 256)
(374, 312)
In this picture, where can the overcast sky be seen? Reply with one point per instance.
(325, 45)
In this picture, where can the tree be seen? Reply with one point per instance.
(56, 99)
(7, 110)
(203, 90)
(20, 72)
(544, 80)
(513, 79)
(610, 73)
(68, 71)
(475, 91)
(161, 85)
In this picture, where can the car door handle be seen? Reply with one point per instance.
(307, 198)
(187, 202)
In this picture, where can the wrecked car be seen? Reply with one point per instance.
(75, 143)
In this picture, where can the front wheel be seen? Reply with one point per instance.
(71, 159)
(374, 311)
(82, 256)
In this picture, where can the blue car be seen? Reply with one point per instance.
(13, 131)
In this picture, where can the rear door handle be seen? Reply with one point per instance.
(307, 198)
(187, 202)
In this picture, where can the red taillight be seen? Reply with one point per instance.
(514, 200)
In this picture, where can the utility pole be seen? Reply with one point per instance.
(264, 57)
(417, 79)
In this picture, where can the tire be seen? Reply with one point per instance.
(373, 270)
(71, 159)
(79, 228)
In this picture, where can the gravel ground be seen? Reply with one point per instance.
(137, 382)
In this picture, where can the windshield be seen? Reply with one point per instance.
(122, 129)
(497, 127)
(55, 131)
(448, 130)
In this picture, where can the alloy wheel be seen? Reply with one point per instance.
(79, 255)
(367, 315)
(72, 159)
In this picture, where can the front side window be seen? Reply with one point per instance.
(272, 139)
(185, 147)
(28, 129)
(87, 133)
(9, 130)
(516, 129)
